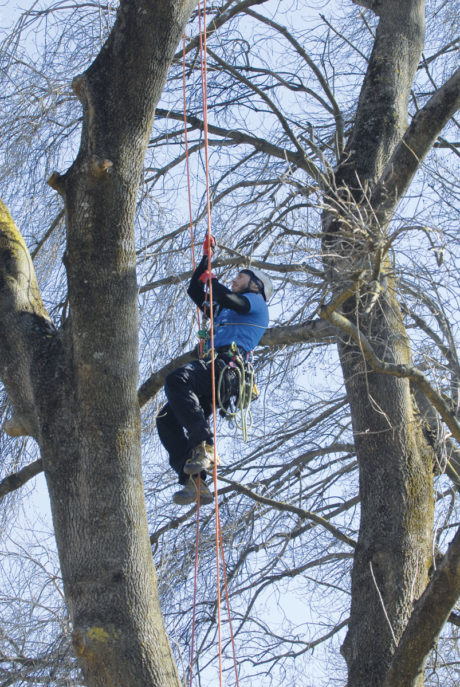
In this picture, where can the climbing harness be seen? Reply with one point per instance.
(240, 412)
(236, 390)
(236, 387)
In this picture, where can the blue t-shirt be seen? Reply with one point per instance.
(245, 330)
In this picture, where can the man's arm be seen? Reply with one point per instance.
(221, 295)
(196, 287)
(228, 299)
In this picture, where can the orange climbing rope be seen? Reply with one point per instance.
(218, 538)
(197, 536)
(187, 165)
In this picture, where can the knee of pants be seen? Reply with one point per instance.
(175, 380)
(160, 420)
(165, 418)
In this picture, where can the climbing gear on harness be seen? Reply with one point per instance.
(262, 280)
(204, 336)
(236, 388)
(236, 380)
(189, 493)
(202, 458)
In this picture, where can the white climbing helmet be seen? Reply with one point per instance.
(264, 279)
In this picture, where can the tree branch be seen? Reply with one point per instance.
(406, 371)
(218, 21)
(154, 383)
(314, 330)
(447, 453)
(236, 261)
(241, 138)
(431, 611)
(413, 148)
(47, 234)
(288, 508)
(18, 479)
(308, 165)
(334, 107)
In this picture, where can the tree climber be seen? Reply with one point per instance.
(240, 318)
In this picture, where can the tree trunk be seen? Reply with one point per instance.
(396, 476)
(396, 489)
(77, 392)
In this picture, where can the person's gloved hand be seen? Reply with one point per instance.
(206, 276)
(209, 244)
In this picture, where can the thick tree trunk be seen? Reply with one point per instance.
(78, 389)
(430, 613)
(396, 488)
(394, 548)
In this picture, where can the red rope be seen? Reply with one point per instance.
(197, 535)
(204, 86)
(219, 541)
(187, 165)
(227, 599)
(195, 583)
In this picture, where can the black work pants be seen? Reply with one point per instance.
(183, 422)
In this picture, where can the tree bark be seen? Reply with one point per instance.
(430, 613)
(77, 388)
(25, 327)
(396, 473)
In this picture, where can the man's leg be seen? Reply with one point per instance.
(188, 390)
(173, 438)
(184, 387)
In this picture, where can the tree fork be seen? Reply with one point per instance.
(396, 478)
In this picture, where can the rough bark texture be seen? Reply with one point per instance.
(26, 327)
(430, 613)
(396, 472)
(75, 390)
(414, 146)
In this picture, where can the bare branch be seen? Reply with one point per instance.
(287, 507)
(18, 479)
(431, 611)
(236, 261)
(219, 20)
(308, 165)
(414, 146)
(334, 107)
(447, 453)
(47, 234)
(155, 382)
(240, 137)
(396, 370)
(314, 330)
